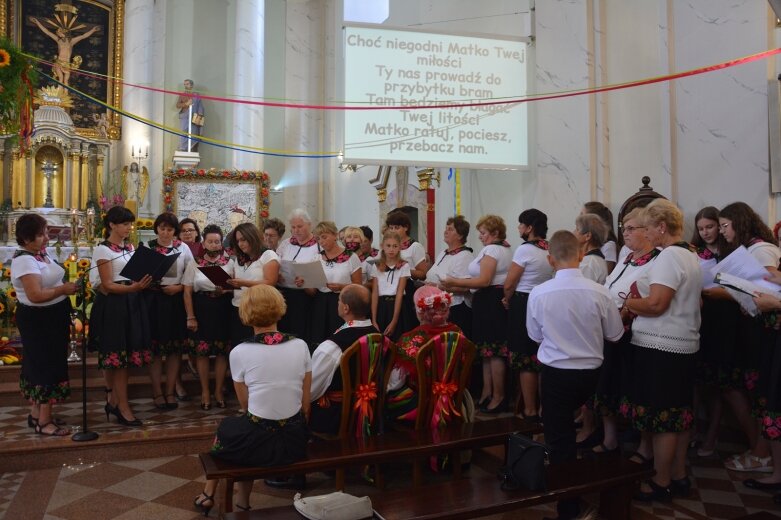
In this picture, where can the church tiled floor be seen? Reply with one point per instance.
(164, 487)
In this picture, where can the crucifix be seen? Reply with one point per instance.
(49, 171)
(66, 31)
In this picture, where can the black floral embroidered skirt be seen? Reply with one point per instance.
(213, 335)
(659, 399)
(167, 322)
(119, 331)
(45, 334)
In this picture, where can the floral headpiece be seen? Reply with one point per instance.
(435, 300)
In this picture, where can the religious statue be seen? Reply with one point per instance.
(134, 183)
(101, 124)
(66, 40)
(191, 117)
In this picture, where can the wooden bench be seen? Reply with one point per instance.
(612, 476)
(391, 446)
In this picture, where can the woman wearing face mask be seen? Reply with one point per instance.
(208, 316)
(353, 241)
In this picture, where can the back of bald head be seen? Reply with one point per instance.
(564, 247)
(357, 298)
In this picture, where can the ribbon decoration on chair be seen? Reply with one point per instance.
(449, 352)
(366, 392)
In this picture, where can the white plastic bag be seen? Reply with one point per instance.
(334, 506)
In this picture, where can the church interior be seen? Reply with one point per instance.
(608, 99)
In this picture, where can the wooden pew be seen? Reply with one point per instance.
(613, 477)
(391, 446)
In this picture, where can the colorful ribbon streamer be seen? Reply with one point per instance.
(434, 104)
(206, 140)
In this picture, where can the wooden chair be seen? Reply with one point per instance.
(366, 366)
(444, 364)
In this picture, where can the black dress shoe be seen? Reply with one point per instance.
(295, 482)
(764, 486)
(658, 493)
(681, 487)
(501, 407)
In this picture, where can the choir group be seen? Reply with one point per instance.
(597, 335)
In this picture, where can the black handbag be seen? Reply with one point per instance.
(525, 467)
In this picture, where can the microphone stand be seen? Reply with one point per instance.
(83, 435)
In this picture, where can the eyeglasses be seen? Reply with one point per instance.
(188, 231)
(629, 229)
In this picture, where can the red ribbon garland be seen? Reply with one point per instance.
(25, 113)
(659, 79)
(443, 402)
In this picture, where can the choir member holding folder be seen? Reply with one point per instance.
(208, 307)
(167, 317)
(741, 226)
(119, 322)
(300, 248)
(252, 265)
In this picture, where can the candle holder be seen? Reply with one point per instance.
(74, 228)
(74, 357)
(89, 225)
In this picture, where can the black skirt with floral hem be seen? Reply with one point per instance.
(614, 378)
(213, 336)
(167, 322)
(386, 305)
(523, 349)
(659, 397)
(119, 331)
(489, 322)
(45, 333)
(718, 363)
(249, 440)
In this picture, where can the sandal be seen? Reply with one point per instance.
(750, 463)
(58, 430)
(158, 405)
(204, 503)
(603, 449)
(642, 459)
(32, 421)
(206, 407)
(172, 404)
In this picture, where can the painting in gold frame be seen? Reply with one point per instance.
(223, 197)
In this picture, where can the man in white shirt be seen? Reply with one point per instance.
(570, 316)
(354, 308)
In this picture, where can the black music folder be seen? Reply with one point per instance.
(217, 276)
(145, 261)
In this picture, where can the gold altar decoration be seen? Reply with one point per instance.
(52, 95)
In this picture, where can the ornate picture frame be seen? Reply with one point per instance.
(222, 197)
(100, 54)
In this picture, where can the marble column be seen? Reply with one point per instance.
(84, 174)
(74, 176)
(248, 77)
(17, 178)
(139, 69)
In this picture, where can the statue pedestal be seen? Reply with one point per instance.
(186, 160)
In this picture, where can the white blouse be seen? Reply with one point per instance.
(274, 375)
(624, 275)
(594, 267)
(250, 271)
(678, 329)
(288, 253)
(536, 268)
(414, 254)
(117, 259)
(388, 282)
(339, 272)
(453, 266)
(503, 257)
(51, 276)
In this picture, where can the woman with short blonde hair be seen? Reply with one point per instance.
(272, 376)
